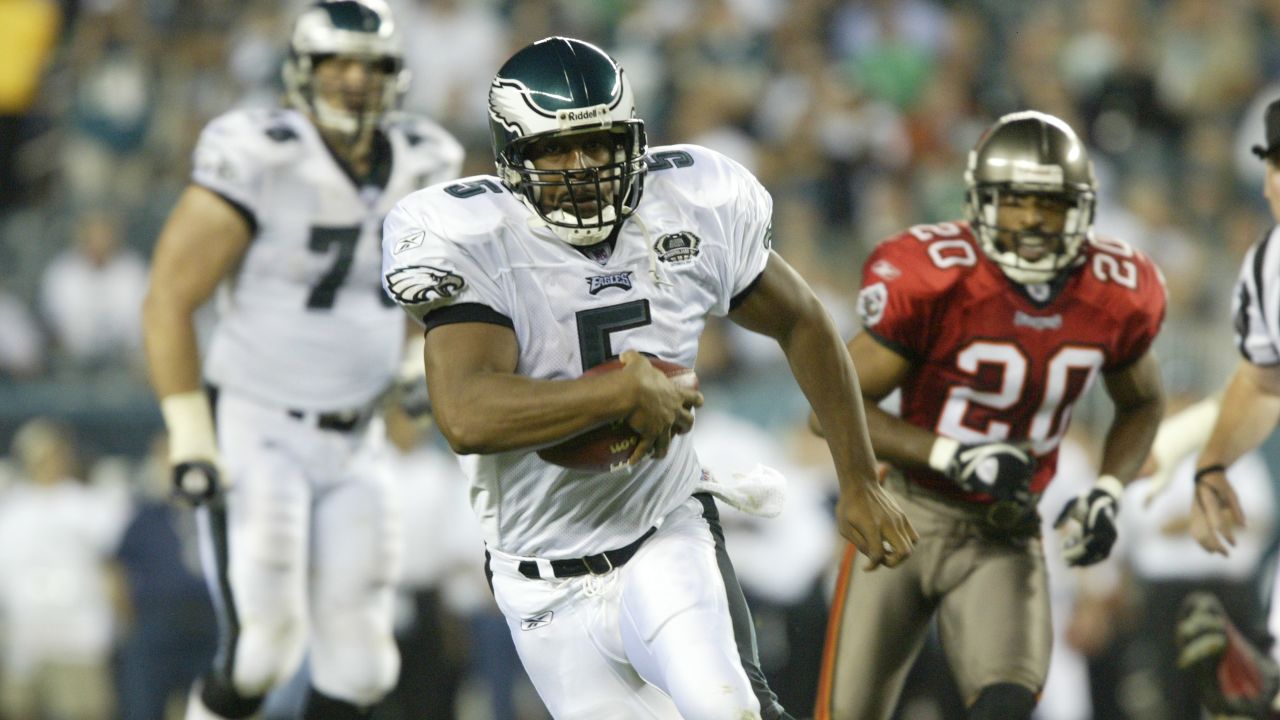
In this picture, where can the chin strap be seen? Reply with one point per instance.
(654, 271)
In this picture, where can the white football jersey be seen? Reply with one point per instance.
(304, 322)
(701, 236)
(1256, 303)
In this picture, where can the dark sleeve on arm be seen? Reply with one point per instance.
(737, 300)
(465, 313)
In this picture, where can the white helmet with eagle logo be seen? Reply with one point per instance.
(345, 28)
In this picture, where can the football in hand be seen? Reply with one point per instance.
(608, 447)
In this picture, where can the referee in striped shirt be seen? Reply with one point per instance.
(1248, 411)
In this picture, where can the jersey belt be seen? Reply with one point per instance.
(345, 421)
(597, 564)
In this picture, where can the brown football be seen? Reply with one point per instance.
(609, 446)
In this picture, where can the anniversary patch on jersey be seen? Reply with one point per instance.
(421, 284)
(871, 303)
(596, 283)
(408, 242)
(677, 247)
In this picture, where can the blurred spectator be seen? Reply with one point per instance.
(891, 45)
(169, 631)
(113, 56)
(56, 606)
(28, 29)
(91, 295)
(21, 342)
(1207, 59)
(456, 47)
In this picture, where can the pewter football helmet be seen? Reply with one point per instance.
(348, 28)
(1030, 153)
(561, 86)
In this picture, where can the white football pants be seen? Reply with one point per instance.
(666, 635)
(307, 552)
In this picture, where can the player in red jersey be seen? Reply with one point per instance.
(992, 329)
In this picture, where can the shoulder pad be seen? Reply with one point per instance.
(421, 134)
(924, 260)
(268, 135)
(1127, 275)
(469, 207)
(701, 175)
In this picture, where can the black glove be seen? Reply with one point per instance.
(999, 469)
(197, 482)
(1092, 516)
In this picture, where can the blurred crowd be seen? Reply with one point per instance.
(856, 114)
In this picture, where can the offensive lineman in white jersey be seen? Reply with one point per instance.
(616, 586)
(283, 217)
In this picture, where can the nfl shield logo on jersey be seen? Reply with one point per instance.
(677, 247)
(420, 284)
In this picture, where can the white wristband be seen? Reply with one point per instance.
(190, 424)
(1111, 485)
(1184, 433)
(942, 453)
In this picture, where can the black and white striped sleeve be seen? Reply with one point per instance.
(1256, 304)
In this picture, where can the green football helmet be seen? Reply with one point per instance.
(348, 28)
(1031, 153)
(560, 86)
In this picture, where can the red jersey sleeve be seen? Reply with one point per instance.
(1133, 287)
(906, 278)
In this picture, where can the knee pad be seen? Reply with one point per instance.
(354, 656)
(1003, 701)
(267, 654)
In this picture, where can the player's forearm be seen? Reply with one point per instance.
(496, 412)
(173, 356)
(897, 441)
(1249, 412)
(826, 376)
(1129, 438)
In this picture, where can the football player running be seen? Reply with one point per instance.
(588, 246)
(991, 329)
(277, 450)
